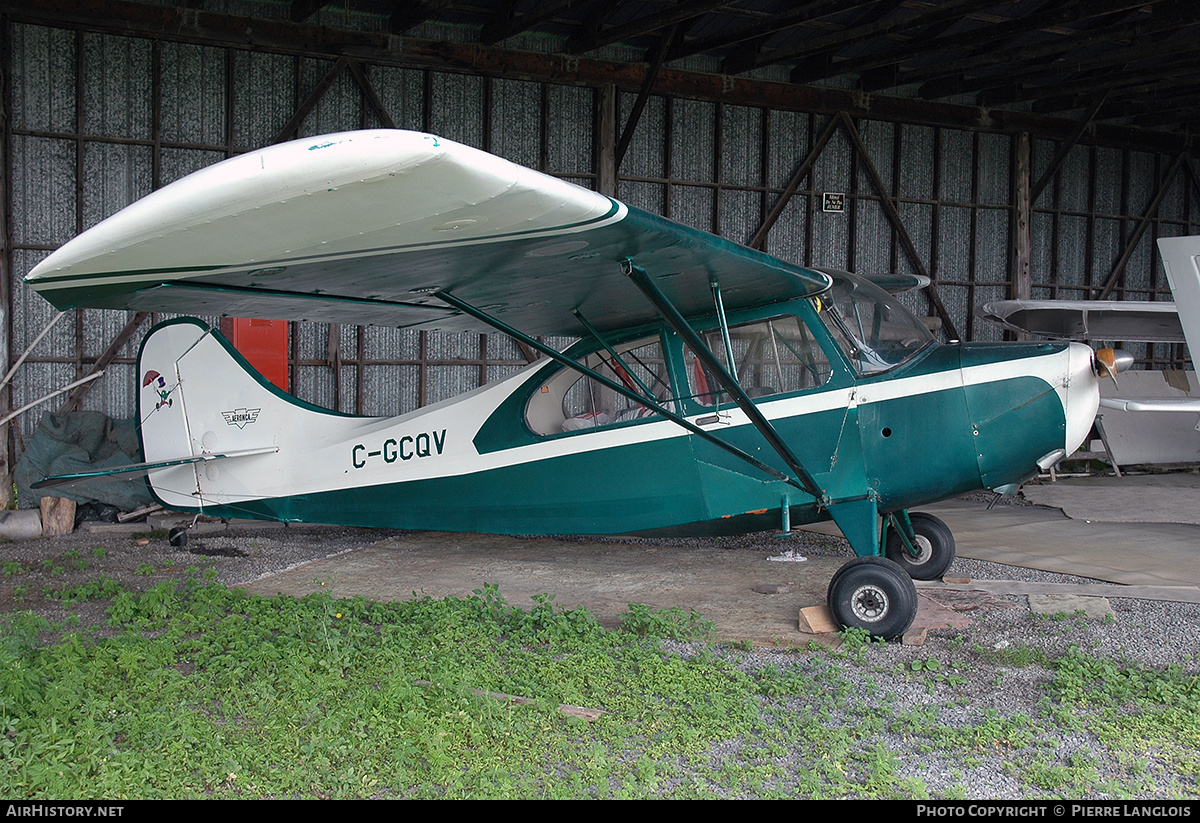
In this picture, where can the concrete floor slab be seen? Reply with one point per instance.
(721, 584)
(1144, 498)
(603, 577)
(1095, 608)
(1144, 553)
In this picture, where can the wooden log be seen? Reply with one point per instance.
(58, 516)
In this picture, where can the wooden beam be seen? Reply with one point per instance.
(882, 69)
(644, 93)
(1193, 174)
(408, 14)
(760, 237)
(300, 10)
(1127, 101)
(103, 360)
(890, 25)
(368, 90)
(1118, 76)
(1068, 144)
(505, 22)
(174, 24)
(817, 66)
(893, 214)
(668, 17)
(310, 102)
(606, 137)
(7, 451)
(592, 24)
(1119, 267)
(1024, 199)
(801, 15)
(1023, 63)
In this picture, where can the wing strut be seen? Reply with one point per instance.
(620, 389)
(616, 358)
(728, 382)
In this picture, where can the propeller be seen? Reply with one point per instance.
(1109, 361)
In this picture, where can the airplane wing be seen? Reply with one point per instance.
(1152, 404)
(1152, 322)
(363, 227)
(1139, 320)
(896, 283)
(1156, 322)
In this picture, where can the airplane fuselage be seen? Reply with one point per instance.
(531, 455)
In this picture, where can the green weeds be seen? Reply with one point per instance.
(674, 623)
(191, 689)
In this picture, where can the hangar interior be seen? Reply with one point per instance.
(1004, 149)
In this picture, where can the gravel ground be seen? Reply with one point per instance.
(1154, 634)
(140, 560)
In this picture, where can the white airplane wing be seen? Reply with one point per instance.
(1152, 404)
(365, 227)
(1089, 319)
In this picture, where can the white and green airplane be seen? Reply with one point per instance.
(714, 389)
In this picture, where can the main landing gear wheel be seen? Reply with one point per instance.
(934, 545)
(874, 594)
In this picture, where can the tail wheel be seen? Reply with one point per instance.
(874, 594)
(934, 544)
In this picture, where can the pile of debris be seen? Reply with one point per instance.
(71, 443)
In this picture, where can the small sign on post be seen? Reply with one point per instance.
(834, 201)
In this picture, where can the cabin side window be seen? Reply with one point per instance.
(773, 356)
(570, 401)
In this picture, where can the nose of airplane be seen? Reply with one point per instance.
(1030, 405)
(1080, 395)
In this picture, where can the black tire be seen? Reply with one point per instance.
(177, 537)
(935, 544)
(873, 594)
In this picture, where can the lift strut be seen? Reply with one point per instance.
(728, 382)
(620, 389)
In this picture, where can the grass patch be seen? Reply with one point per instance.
(193, 690)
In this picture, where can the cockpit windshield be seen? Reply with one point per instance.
(875, 330)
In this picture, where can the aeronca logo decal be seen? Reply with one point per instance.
(241, 417)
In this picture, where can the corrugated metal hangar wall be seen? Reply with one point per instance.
(97, 120)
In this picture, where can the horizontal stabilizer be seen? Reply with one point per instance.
(138, 469)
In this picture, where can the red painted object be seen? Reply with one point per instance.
(262, 342)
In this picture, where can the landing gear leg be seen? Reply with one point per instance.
(870, 592)
(920, 543)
